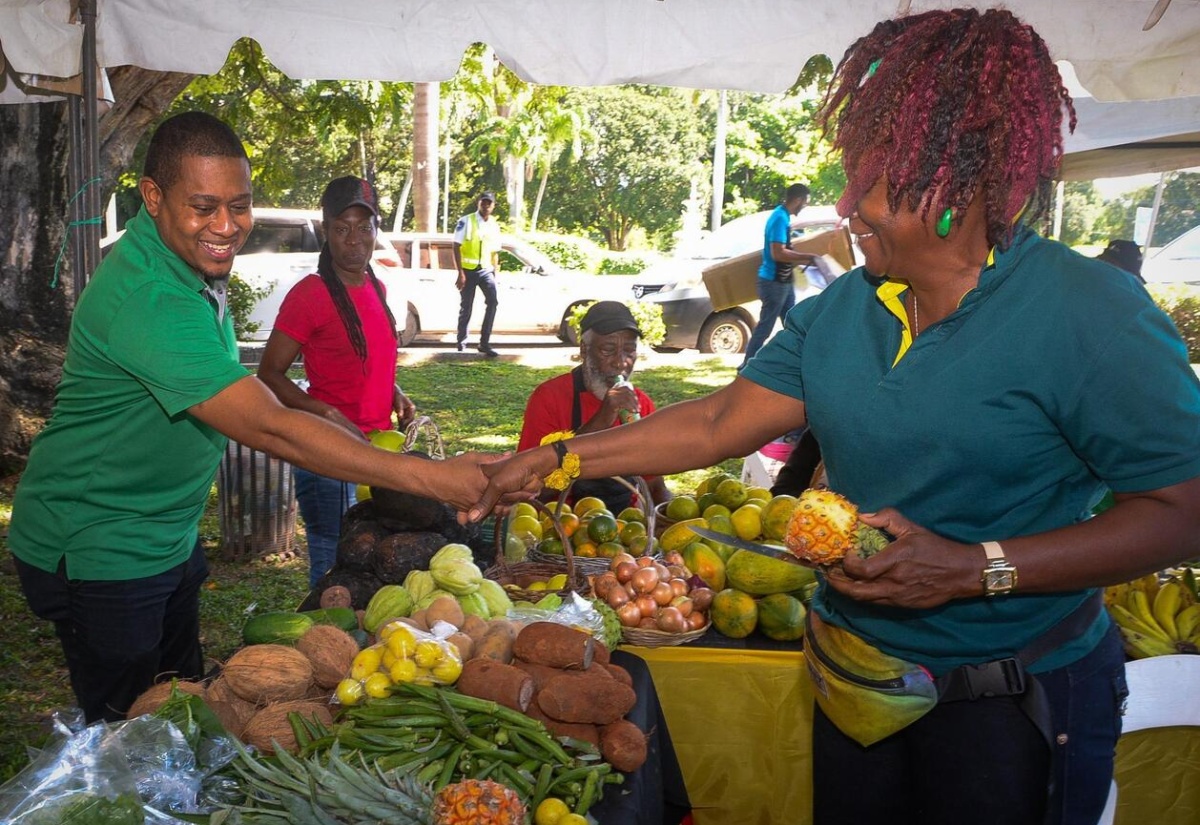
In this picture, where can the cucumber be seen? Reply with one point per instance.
(343, 617)
(275, 628)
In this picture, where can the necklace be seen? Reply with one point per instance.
(916, 317)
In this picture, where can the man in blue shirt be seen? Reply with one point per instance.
(775, 288)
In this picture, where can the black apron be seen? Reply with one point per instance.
(615, 495)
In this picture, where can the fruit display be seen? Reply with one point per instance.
(591, 528)
(1157, 617)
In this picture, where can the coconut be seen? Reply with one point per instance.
(232, 710)
(331, 651)
(154, 697)
(262, 674)
(270, 726)
(336, 596)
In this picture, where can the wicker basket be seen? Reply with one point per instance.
(644, 637)
(661, 521)
(524, 573)
(595, 566)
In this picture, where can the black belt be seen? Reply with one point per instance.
(1008, 677)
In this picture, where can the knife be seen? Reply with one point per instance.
(769, 550)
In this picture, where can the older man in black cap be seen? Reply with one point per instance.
(477, 254)
(594, 396)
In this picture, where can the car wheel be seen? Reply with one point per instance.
(412, 325)
(725, 334)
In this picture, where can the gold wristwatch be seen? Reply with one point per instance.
(999, 576)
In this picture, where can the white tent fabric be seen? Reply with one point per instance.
(1116, 139)
(753, 45)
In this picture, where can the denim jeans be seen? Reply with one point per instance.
(120, 636)
(322, 501)
(485, 280)
(983, 762)
(776, 299)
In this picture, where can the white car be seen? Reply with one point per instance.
(535, 295)
(1176, 263)
(284, 247)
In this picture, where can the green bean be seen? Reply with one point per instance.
(539, 746)
(486, 770)
(515, 780)
(430, 772)
(448, 768)
(588, 794)
(543, 784)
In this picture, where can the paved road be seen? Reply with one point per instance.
(547, 351)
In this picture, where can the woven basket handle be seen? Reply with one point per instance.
(433, 439)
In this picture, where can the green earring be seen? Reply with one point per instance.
(943, 224)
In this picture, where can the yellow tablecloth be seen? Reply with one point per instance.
(741, 723)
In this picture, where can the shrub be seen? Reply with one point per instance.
(648, 316)
(1183, 305)
(569, 253)
(616, 263)
(240, 300)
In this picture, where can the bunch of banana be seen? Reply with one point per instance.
(1156, 619)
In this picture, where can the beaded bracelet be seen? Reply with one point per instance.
(568, 468)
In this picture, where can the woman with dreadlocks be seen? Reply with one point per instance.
(339, 320)
(975, 389)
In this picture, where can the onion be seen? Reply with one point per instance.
(646, 606)
(696, 581)
(679, 587)
(683, 604)
(617, 597)
(619, 558)
(678, 571)
(629, 615)
(670, 620)
(674, 557)
(604, 584)
(662, 593)
(664, 574)
(625, 571)
(648, 623)
(701, 597)
(696, 620)
(644, 561)
(644, 580)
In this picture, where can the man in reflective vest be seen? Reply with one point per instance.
(476, 252)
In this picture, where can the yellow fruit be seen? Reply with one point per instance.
(682, 508)
(401, 642)
(556, 582)
(405, 670)
(389, 440)
(631, 530)
(747, 521)
(706, 563)
(610, 550)
(734, 613)
(523, 508)
(776, 514)
(551, 545)
(569, 523)
(428, 653)
(679, 535)
(366, 662)
(713, 510)
(378, 685)
(527, 528)
(550, 811)
(632, 514)
(448, 670)
(362, 492)
(822, 526)
(731, 493)
(350, 692)
(588, 503)
(536, 586)
(573, 819)
(758, 494)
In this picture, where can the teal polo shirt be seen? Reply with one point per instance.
(118, 479)
(1057, 377)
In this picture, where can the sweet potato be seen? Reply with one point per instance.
(543, 673)
(587, 697)
(619, 673)
(444, 609)
(600, 654)
(496, 645)
(475, 627)
(623, 745)
(464, 644)
(583, 732)
(555, 645)
(496, 682)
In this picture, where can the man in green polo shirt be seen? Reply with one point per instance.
(105, 518)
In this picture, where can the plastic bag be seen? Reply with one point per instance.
(123, 773)
(576, 611)
(402, 654)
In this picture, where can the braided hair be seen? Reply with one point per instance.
(345, 307)
(947, 105)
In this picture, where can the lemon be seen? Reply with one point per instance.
(573, 819)
(405, 670)
(349, 692)
(388, 659)
(527, 528)
(390, 440)
(401, 643)
(632, 514)
(731, 493)
(447, 671)
(588, 503)
(366, 662)
(682, 508)
(747, 521)
(556, 582)
(428, 653)
(378, 685)
(536, 586)
(523, 508)
(758, 493)
(550, 811)
(716, 510)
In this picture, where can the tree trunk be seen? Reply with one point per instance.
(537, 203)
(426, 106)
(36, 279)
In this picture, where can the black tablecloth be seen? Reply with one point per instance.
(653, 794)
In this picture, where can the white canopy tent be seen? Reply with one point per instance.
(1120, 50)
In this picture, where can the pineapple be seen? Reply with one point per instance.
(478, 802)
(825, 527)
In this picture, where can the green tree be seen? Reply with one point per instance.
(649, 151)
(1082, 210)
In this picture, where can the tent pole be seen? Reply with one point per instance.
(90, 229)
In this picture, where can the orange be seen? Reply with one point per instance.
(526, 527)
(602, 528)
(631, 530)
(569, 522)
(632, 514)
(588, 503)
(776, 514)
(586, 550)
(682, 508)
(610, 549)
(551, 545)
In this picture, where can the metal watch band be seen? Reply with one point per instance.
(993, 551)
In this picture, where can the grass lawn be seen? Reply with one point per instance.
(477, 405)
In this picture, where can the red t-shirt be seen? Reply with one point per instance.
(363, 392)
(550, 405)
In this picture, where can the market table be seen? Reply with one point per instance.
(740, 716)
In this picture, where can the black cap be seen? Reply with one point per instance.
(342, 193)
(488, 196)
(1125, 254)
(607, 317)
